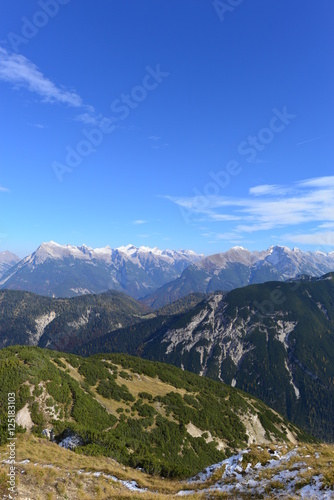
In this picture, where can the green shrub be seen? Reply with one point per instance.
(110, 389)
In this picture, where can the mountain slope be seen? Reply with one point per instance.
(7, 261)
(142, 414)
(281, 471)
(30, 319)
(67, 271)
(239, 267)
(274, 340)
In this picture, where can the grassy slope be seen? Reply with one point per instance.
(56, 473)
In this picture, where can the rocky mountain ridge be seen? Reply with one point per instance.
(274, 340)
(157, 277)
(240, 267)
(29, 319)
(67, 271)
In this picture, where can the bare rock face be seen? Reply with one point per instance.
(23, 418)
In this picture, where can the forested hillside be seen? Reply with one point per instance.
(143, 414)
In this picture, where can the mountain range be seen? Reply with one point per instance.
(156, 277)
(67, 271)
(239, 267)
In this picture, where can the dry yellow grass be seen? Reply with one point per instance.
(38, 480)
(72, 371)
(143, 383)
(53, 473)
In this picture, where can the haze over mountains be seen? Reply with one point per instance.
(158, 277)
(7, 260)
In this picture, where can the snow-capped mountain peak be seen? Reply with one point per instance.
(67, 270)
(53, 250)
(131, 251)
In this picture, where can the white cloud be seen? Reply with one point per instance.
(20, 71)
(156, 142)
(325, 182)
(139, 222)
(319, 238)
(267, 207)
(269, 189)
(36, 125)
(307, 141)
(89, 118)
(202, 203)
(223, 236)
(4, 189)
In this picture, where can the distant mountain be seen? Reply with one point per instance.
(29, 319)
(239, 267)
(273, 340)
(7, 260)
(67, 271)
(157, 277)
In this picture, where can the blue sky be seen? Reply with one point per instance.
(178, 124)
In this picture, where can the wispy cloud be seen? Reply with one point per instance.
(319, 238)
(4, 189)
(267, 207)
(21, 72)
(36, 125)
(156, 142)
(139, 222)
(230, 236)
(307, 141)
(89, 117)
(327, 181)
(269, 189)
